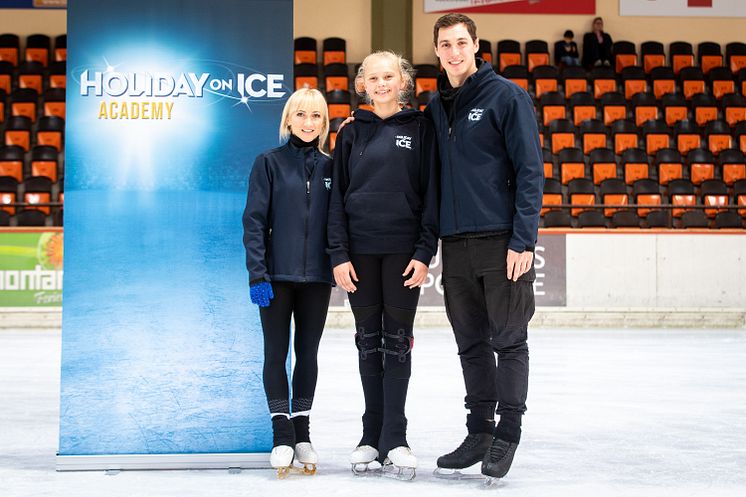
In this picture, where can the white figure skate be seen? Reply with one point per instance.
(307, 456)
(281, 458)
(400, 464)
(361, 458)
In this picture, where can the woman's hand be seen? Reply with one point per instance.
(419, 273)
(344, 274)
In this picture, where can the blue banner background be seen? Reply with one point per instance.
(161, 349)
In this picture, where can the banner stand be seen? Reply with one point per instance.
(163, 461)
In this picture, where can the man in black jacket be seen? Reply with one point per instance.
(491, 193)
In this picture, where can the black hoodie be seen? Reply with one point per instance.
(385, 188)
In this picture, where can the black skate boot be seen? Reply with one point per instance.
(498, 459)
(471, 451)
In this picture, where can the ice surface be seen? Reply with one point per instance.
(611, 413)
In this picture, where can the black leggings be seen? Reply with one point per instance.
(384, 311)
(308, 304)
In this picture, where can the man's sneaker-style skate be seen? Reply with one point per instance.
(400, 463)
(471, 451)
(498, 459)
(361, 458)
(307, 456)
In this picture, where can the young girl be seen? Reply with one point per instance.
(382, 235)
(289, 272)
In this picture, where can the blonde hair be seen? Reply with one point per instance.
(405, 69)
(310, 100)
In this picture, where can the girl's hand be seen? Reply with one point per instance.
(418, 276)
(344, 274)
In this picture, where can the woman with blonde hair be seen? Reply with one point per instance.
(289, 271)
(383, 231)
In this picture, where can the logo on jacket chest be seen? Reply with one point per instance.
(328, 183)
(475, 114)
(403, 141)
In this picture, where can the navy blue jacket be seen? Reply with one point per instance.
(385, 188)
(492, 173)
(286, 214)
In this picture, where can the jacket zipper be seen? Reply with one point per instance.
(308, 213)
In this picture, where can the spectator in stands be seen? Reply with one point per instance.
(382, 235)
(491, 192)
(566, 51)
(289, 272)
(597, 46)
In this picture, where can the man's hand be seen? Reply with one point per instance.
(518, 263)
(419, 273)
(344, 274)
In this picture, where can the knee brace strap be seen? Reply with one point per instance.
(363, 343)
(398, 344)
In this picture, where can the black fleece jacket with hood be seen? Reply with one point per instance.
(384, 197)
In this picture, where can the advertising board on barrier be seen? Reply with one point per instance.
(31, 268)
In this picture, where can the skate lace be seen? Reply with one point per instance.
(497, 451)
(468, 444)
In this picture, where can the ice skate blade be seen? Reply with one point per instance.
(492, 482)
(402, 473)
(456, 474)
(308, 469)
(363, 469)
(283, 472)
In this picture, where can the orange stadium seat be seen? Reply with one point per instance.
(552, 106)
(635, 164)
(734, 108)
(581, 192)
(634, 80)
(714, 193)
(663, 81)
(574, 80)
(8, 194)
(485, 51)
(669, 164)
(306, 75)
(561, 135)
(37, 49)
(613, 107)
(334, 51)
(652, 55)
(57, 74)
(709, 55)
(571, 164)
(646, 192)
(537, 54)
(733, 166)
(687, 135)
(583, 107)
(552, 195)
(517, 74)
(681, 194)
(508, 54)
(336, 77)
(739, 134)
(593, 135)
(18, 132)
(681, 55)
(23, 103)
(625, 55)
(603, 165)
(546, 79)
(701, 165)
(54, 102)
(339, 103)
(735, 56)
(50, 132)
(11, 162)
(657, 136)
(692, 81)
(624, 134)
(60, 48)
(426, 78)
(6, 76)
(603, 80)
(704, 108)
(721, 82)
(31, 75)
(739, 191)
(548, 163)
(674, 108)
(9, 48)
(718, 136)
(38, 190)
(305, 50)
(644, 108)
(44, 162)
(613, 192)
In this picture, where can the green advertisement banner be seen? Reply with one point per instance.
(31, 268)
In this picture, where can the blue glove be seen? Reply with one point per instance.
(261, 293)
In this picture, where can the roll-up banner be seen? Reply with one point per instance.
(168, 103)
(683, 8)
(587, 7)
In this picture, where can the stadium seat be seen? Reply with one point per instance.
(635, 165)
(426, 78)
(306, 75)
(23, 103)
(709, 55)
(37, 49)
(739, 134)
(728, 219)
(552, 195)
(613, 192)
(31, 75)
(656, 135)
(681, 55)
(3, 97)
(54, 102)
(423, 99)
(735, 56)
(336, 77)
(674, 108)
(717, 134)
(552, 107)
(517, 74)
(548, 163)
(603, 165)
(305, 50)
(692, 81)
(658, 219)
(38, 190)
(652, 55)
(701, 165)
(334, 51)
(485, 51)
(546, 79)
(624, 54)
(634, 81)
(669, 164)
(734, 108)
(8, 194)
(739, 192)
(508, 54)
(646, 192)
(694, 219)
(571, 164)
(537, 54)
(9, 48)
(581, 192)
(6, 77)
(561, 135)
(50, 132)
(31, 217)
(557, 219)
(339, 103)
(663, 81)
(591, 218)
(721, 82)
(333, 130)
(583, 107)
(644, 108)
(574, 80)
(18, 132)
(681, 194)
(44, 162)
(687, 135)
(592, 135)
(624, 134)
(603, 80)
(741, 81)
(704, 108)
(4, 216)
(11, 162)
(625, 219)
(57, 74)
(714, 193)
(613, 107)
(732, 166)
(60, 48)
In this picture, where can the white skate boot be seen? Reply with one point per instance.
(400, 464)
(281, 458)
(361, 457)
(307, 456)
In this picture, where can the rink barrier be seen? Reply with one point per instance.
(124, 462)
